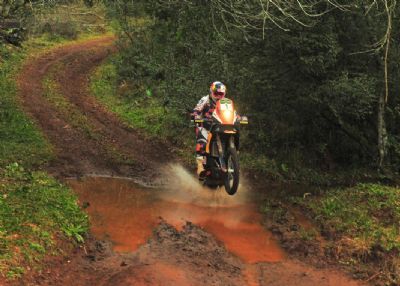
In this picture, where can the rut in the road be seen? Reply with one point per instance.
(109, 147)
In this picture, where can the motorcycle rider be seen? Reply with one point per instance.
(204, 109)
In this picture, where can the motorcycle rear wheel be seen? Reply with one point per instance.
(231, 180)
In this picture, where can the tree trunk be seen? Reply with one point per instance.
(382, 133)
(383, 99)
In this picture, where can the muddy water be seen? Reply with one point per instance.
(126, 214)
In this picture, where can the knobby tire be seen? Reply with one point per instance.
(232, 154)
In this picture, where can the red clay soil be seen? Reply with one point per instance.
(190, 256)
(171, 257)
(78, 152)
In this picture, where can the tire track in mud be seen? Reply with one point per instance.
(76, 151)
(190, 256)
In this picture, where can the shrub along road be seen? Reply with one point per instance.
(88, 139)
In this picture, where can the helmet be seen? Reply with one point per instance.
(217, 90)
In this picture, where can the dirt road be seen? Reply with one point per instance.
(88, 139)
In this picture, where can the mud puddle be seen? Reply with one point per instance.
(126, 214)
(183, 234)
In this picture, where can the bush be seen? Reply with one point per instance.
(56, 29)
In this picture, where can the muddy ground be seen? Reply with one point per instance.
(109, 147)
(190, 255)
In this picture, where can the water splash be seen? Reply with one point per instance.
(182, 186)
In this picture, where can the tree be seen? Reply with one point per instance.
(312, 74)
(11, 13)
(14, 15)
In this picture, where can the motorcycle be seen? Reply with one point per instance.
(222, 150)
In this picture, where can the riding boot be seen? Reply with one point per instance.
(200, 166)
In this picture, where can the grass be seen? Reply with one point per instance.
(355, 227)
(20, 141)
(362, 226)
(76, 118)
(35, 211)
(146, 113)
(368, 212)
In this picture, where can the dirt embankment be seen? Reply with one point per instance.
(191, 256)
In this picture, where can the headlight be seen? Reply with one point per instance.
(227, 116)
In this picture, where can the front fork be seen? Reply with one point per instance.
(221, 152)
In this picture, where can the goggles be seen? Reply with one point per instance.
(219, 94)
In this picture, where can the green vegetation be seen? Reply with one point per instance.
(361, 225)
(54, 19)
(20, 141)
(321, 109)
(35, 212)
(364, 216)
(149, 114)
(67, 21)
(357, 227)
(76, 118)
(314, 96)
(317, 80)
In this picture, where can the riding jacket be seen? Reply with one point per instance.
(204, 108)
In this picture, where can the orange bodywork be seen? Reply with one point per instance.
(225, 111)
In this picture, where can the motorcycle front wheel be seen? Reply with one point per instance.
(231, 180)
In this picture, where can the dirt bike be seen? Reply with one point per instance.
(222, 159)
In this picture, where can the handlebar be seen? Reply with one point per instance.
(201, 120)
(243, 120)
